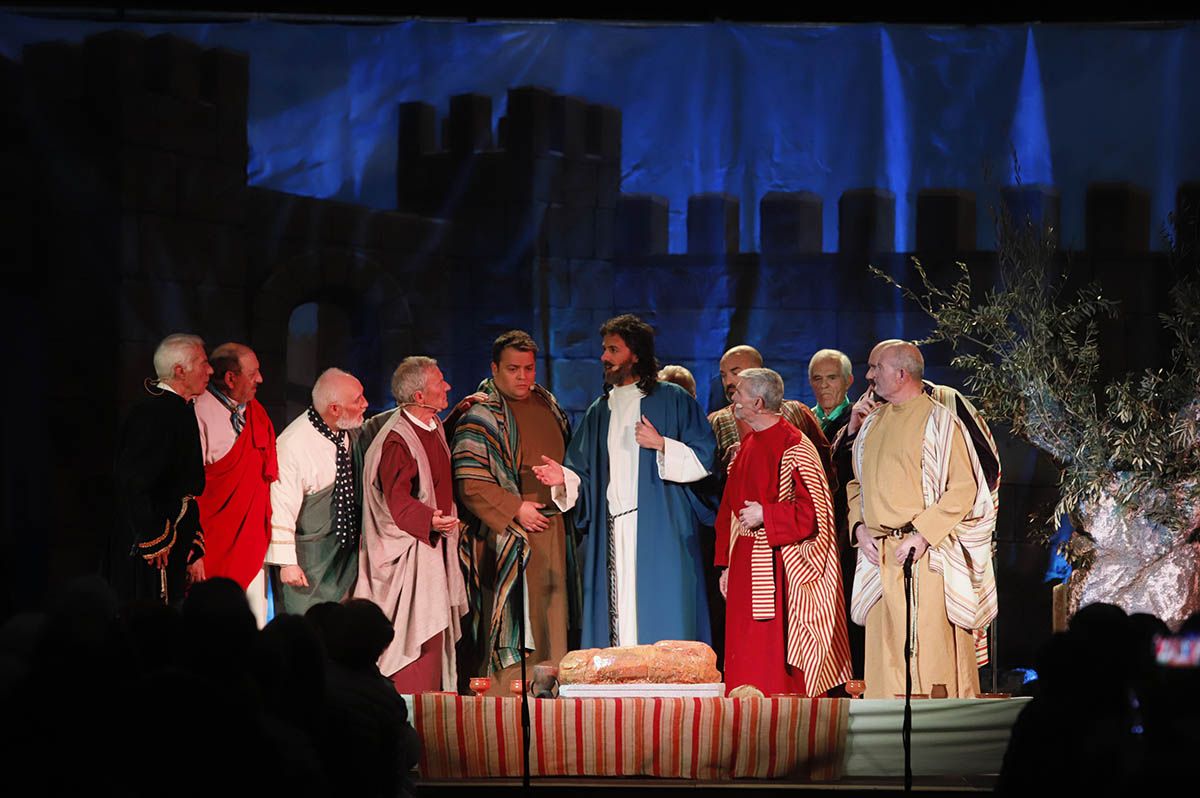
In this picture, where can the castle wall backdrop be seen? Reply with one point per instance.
(351, 195)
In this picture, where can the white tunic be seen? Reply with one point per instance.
(307, 465)
(677, 463)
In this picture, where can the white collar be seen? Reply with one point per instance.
(167, 387)
(429, 426)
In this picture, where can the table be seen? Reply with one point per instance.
(709, 739)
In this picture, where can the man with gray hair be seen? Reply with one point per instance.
(315, 501)
(730, 431)
(785, 629)
(830, 375)
(158, 546)
(409, 559)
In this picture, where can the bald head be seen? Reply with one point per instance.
(338, 398)
(906, 356)
(884, 344)
(733, 362)
(744, 351)
(895, 370)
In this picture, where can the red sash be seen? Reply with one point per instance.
(235, 508)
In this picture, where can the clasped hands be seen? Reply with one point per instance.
(915, 543)
(445, 524)
(751, 515)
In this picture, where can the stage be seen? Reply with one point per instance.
(711, 743)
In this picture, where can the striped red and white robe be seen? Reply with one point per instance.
(785, 617)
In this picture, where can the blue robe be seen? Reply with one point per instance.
(671, 598)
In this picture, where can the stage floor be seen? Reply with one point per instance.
(942, 786)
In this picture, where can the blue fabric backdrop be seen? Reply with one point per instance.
(737, 108)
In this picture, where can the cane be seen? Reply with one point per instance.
(906, 732)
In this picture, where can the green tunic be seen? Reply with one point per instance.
(329, 567)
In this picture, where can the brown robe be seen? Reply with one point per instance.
(538, 434)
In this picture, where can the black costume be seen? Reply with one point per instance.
(159, 470)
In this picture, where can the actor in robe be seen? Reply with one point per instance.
(512, 519)
(730, 432)
(785, 629)
(919, 490)
(409, 560)
(158, 544)
(980, 440)
(237, 441)
(315, 502)
(830, 374)
(626, 474)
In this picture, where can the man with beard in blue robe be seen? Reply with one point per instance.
(627, 474)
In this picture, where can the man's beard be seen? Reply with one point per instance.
(350, 423)
(618, 375)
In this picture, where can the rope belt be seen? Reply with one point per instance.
(614, 626)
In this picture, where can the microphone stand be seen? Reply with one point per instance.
(994, 651)
(525, 735)
(906, 731)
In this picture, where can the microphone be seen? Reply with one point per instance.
(422, 404)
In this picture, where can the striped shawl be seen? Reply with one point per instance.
(964, 557)
(486, 447)
(817, 641)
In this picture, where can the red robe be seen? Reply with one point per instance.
(235, 508)
(399, 477)
(800, 610)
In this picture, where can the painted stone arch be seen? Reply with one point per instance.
(352, 281)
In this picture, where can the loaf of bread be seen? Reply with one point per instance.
(665, 662)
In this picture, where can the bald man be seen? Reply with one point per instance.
(730, 431)
(918, 492)
(315, 503)
(237, 441)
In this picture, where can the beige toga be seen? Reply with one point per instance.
(888, 493)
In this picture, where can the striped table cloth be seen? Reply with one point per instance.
(708, 739)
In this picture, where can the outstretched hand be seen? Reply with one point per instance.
(550, 473)
(469, 400)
